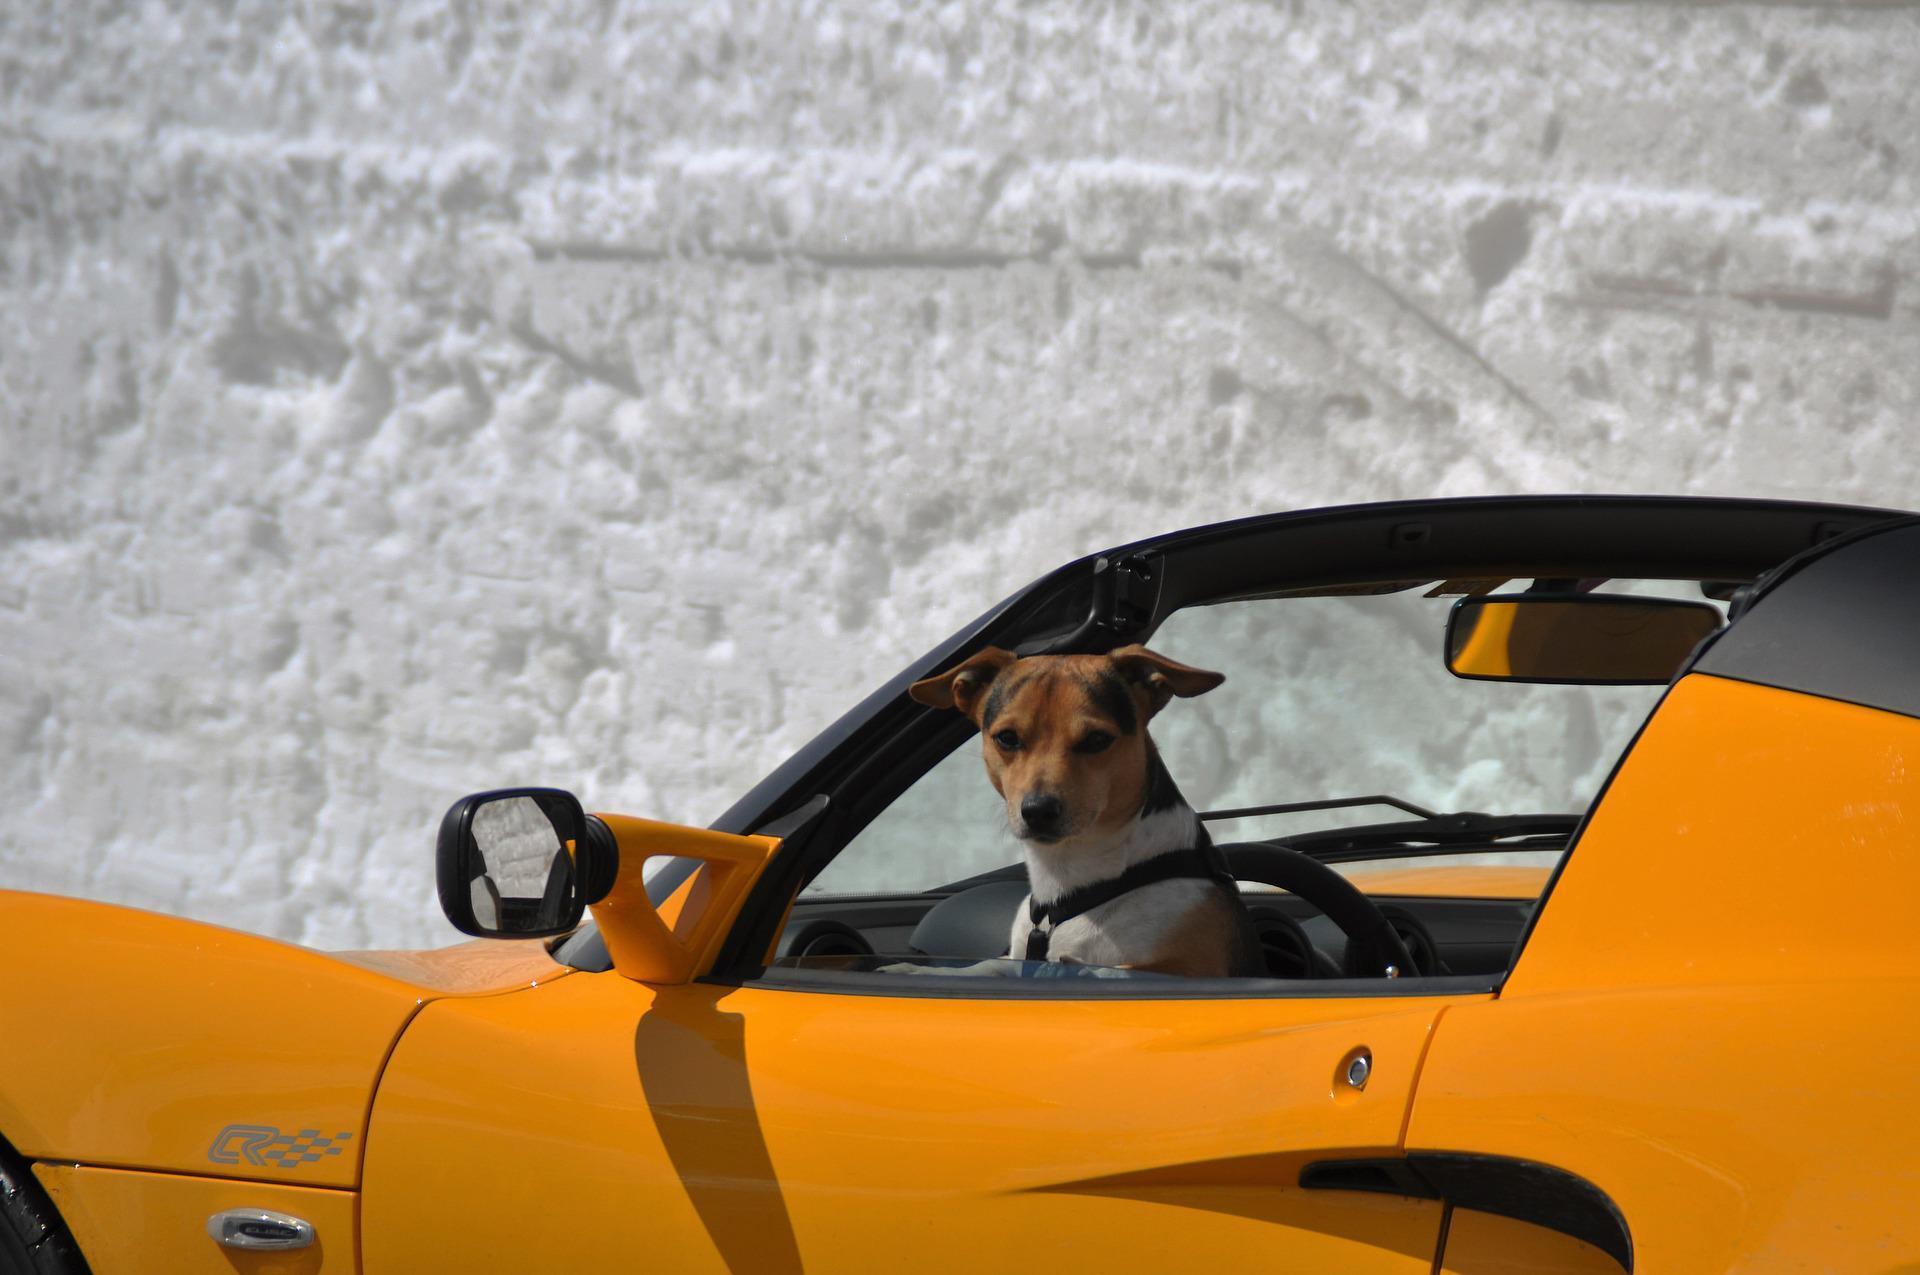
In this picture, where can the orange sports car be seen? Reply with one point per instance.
(1580, 837)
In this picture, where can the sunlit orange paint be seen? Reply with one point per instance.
(151, 1035)
(1483, 1244)
(673, 943)
(1471, 881)
(1711, 1021)
(131, 1223)
(764, 1129)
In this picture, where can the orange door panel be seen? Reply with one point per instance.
(708, 1128)
(1712, 1021)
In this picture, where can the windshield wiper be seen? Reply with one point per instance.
(1431, 834)
(1326, 803)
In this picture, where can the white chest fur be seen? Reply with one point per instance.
(1125, 930)
(1129, 930)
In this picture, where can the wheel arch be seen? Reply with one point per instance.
(31, 1224)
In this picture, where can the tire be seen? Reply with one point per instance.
(33, 1239)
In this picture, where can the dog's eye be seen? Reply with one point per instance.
(1007, 739)
(1097, 742)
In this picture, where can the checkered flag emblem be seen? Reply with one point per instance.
(266, 1145)
(291, 1150)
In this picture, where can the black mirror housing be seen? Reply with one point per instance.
(521, 863)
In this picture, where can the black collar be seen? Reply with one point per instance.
(1201, 861)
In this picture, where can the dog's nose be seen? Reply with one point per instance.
(1041, 813)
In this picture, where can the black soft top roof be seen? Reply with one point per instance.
(1841, 621)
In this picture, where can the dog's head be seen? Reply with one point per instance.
(1065, 736)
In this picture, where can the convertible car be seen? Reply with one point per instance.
(1581, 837)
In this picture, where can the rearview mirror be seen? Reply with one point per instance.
(1595, 639)
(521, 863)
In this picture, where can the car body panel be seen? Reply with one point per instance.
(1741, 1129)
(749, 1128)
(135, 1223)
(1485, 1244)
(1742, 811)
(1711, 1021)
(1467, 881)
(204, 1050)
(481, 967)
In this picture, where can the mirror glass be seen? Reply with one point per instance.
(1590, 638)
(522, 875)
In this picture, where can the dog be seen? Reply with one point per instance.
(1121, 871)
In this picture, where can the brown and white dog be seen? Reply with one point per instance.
(1121, 870)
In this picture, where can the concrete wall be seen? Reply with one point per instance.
(397, 401)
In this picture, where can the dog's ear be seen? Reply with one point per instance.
(964, 686)
(1160, 677)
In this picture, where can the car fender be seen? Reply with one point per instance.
(142, 1041)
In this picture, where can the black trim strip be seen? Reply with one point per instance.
(1839, 625)
(985, 987)
(1524, 1190)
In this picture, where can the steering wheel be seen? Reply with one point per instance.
(973, 923)
(823, 937)
(1375, 947)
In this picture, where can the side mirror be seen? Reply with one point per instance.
(1594, 639)
(521, 863)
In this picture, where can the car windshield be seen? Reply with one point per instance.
(1331, 696)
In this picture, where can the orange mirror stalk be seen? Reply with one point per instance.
(675, 942)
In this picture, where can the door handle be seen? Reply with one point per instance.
(259, 1230)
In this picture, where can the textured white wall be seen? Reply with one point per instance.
(397, 402)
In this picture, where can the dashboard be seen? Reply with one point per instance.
(1445, 934)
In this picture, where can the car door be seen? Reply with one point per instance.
(783, 1118)
(599, 1121)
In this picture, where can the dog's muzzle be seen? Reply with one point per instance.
(1043, 816)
